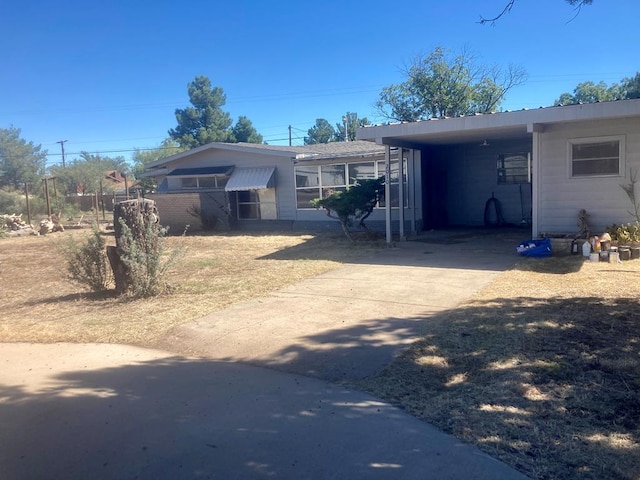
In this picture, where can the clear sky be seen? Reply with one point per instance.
(108, 76)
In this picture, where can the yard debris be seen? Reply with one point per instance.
(14, 225)
(50, 225)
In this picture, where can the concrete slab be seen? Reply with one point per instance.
(351, 322)
(115, 412)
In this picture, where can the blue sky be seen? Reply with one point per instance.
(107, 76)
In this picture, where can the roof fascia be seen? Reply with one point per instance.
(221, 146)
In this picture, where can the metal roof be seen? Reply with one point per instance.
(243, 179)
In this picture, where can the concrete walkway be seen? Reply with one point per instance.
(108, 411)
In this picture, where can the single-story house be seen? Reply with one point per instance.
(542, 165)
(534, 168)
(253, 186)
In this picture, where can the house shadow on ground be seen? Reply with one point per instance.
(175, 417)
(551, 386)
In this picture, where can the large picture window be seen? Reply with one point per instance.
(320, 181)
(596, 157)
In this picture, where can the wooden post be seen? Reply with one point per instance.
(26, 195)
(46, 194)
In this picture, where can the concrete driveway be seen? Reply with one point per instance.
(116, 412)
(351, 322)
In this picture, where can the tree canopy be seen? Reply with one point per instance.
(321, 132)
(441, 84)
(205, 121)
(590, 92)
(84, 174)
(324, 132)
(20, 161)
(141, 158)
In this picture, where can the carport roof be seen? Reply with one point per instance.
(475, 128)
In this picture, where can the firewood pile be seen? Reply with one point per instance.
(50, 225)
(14, 225)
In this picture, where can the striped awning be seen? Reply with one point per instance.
(243, 179)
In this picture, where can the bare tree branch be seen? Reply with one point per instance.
(576, 3)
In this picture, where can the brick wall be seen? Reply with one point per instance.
(176, 210)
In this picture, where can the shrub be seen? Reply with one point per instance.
(87, 263)
(626, 233)
(143, 255)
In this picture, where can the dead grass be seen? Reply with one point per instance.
(541, 369)
(40, 305)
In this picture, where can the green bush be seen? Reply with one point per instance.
(626, 233)
(144, 259)
(11, 202)
(87, 262)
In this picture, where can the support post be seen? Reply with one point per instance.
(401, 192)
(387, 192)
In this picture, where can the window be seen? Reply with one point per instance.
(248, 204)
(513, 168)
(208, 182)
(596, 157)
(256, 204)
(321, 181)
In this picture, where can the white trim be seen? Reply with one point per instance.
(588, 140)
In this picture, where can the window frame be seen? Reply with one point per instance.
(596, 140)
(378, 172)
(220, 182)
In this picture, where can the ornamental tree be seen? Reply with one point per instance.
(352, 205)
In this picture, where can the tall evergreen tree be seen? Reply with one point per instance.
(204, 121)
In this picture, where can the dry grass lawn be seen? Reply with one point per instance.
(41, 305)
(541, 369)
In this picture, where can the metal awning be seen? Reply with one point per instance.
(243, 179)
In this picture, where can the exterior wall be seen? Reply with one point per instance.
(283, 176)
(176, 211)
(561, 197)
(469, 176)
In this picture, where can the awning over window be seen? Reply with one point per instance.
(250, 179)
(200, 171)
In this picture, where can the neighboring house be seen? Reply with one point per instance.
(543, 165)
(253, 186)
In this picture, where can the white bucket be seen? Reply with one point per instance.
(594, 257)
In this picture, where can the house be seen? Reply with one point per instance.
(253, 186)
(540, 166)
(536, 168)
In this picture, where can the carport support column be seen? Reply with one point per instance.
(401, 152)
(387, 192)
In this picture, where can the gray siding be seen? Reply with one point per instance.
(561, 197)
(283, 174)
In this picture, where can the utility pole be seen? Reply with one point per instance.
(61, 142)
(345, 119)
(289, 135)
